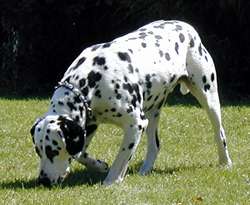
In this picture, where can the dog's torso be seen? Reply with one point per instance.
(135, 70)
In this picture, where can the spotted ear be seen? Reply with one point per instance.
(32, 130)
(74, 135)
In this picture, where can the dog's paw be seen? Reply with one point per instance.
(108, 181)
(102, 166)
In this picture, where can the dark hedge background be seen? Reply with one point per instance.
(40, 38)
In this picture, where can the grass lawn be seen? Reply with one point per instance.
(185, 172)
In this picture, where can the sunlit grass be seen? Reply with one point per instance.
(185, 172)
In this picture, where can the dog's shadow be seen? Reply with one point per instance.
(87, 177)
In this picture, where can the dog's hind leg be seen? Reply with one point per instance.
(153, 144)
(202, 83)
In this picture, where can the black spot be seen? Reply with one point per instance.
(118, 115)
(130, 50)
(131, 145)
(71, 106)
(157, 139)
(77, 118)
(66, 93)
(136, 89)
(60, 103)
(130, 109)
(98, 94)
(133, 38)
(47, 137)
(182, 37)
(128, 87)
(200, 49)
(158, 37)
(124, 56)
(80, 61)
(99, 60)
(51, 153)
(161, 53)
(118, 96)
(167, 56)
(130, 68)
(93, 78)
(172, 78)
(144, 45)
(54, 142)
(157, 44)
(95, 47)
(178, 28)
(112, 109)
(212, 77)
(90, 129)
(106, 45)
(48, 131)
(206, 87)
(125, 79)
(206, 58)
(134, 100)
(204, 79)
(77, 99)
(177, 48)
(148, 82)
(139, 127)
(85, 91)
(82, 82)
(191, 43)
(224, 143)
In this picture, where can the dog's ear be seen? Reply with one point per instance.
(32, 130)
(74, 135)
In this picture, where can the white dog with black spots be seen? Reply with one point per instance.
(125, 82)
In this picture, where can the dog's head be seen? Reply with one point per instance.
(56, 140)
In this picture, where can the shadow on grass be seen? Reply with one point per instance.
(86, 177)
(170, 170)
(76, 178)
(83, 177)
(19, 184)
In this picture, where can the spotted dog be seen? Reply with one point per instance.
(125, 82)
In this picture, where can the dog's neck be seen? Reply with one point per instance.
(65, 102)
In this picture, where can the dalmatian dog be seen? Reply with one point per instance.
(125, 82)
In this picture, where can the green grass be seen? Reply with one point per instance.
(185, 172)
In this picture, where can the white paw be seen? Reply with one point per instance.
(145, 170)
(108, 181)
(226, 162)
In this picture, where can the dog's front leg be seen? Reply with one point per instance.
(130, 141)
(92, 163)
(85, 159)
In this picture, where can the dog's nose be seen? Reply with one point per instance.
(45, 181)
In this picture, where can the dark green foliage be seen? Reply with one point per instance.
(39, 39)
